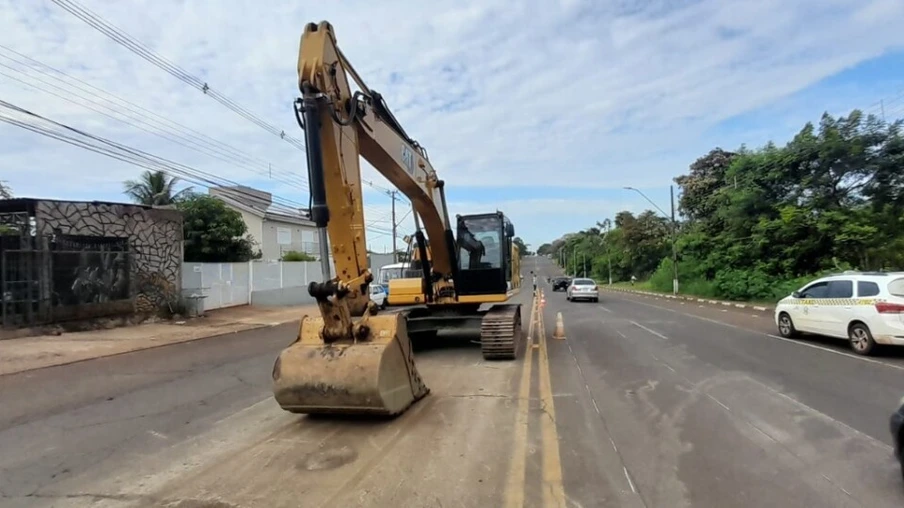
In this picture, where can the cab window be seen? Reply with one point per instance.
(818, 290)
(840, 289)
(867, 288)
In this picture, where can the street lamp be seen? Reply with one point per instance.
(674, 232)
(608, 224)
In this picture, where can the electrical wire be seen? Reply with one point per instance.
(129, 42)
(74, 88)
(136, 157)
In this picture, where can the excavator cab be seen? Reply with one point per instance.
(484, 269)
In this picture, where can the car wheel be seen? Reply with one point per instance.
(596, 300)
(861, 339)
(786, 326)
(383, 305)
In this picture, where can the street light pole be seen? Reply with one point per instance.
(674, 232)
(608, 225)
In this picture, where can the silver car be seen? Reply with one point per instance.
(583, 289)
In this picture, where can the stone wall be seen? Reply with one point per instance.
(154, 237)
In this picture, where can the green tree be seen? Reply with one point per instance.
(522, 247)
(545, 249)
(154, 188)
(758, 223)
(213, 232)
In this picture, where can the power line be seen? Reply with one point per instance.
(125, 153)
(137, 157)
(74, 87)
(126, 40)
(113, 112)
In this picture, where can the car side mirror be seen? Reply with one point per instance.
(795, 294)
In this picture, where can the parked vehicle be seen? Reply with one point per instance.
(866, 308)
(378, 295)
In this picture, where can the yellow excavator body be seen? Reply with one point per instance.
(409, 290)
(406, 291)
(349, 359)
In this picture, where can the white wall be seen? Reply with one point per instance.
(230, 284)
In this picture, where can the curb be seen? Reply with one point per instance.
(155, 346)
(738, 305)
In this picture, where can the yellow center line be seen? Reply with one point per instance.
(553, 488)
(514, 488)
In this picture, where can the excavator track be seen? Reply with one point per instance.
(501, 336)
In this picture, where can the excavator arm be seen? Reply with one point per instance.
(356, 124)
(340, 364)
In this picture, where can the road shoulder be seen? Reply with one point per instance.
(29, 353)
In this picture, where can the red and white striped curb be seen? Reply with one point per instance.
(690, 299)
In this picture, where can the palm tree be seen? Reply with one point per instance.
(154, 188)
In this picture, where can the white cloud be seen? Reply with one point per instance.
(575, 93)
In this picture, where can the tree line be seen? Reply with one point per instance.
(755, 224)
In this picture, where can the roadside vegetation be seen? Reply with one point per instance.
(755, 224)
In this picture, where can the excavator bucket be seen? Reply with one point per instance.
(374, 375)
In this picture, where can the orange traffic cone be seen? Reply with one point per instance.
(560, 327)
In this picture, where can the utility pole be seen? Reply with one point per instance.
(574, 260)
(674, 232)
(608, 224)
(395, 251)
(674, 243)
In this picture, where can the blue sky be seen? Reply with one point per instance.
(544, 117)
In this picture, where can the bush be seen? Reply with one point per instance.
(294, 255)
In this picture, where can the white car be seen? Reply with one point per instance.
(583, 289)
(866, 308)
(378, 295)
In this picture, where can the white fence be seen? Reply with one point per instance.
(258, 282)
(230, 284)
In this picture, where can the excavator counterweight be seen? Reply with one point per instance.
(349, 359)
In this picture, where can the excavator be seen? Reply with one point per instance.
(350, 359)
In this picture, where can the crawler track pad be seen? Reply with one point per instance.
(375, 376)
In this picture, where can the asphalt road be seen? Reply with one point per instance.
(670, 404)
(645, 403)
(194, 425)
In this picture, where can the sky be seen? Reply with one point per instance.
(545, 110)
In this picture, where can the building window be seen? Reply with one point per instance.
(283, 236)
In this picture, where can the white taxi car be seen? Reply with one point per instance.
(866, 308)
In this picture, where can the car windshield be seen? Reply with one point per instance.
(584, 282)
